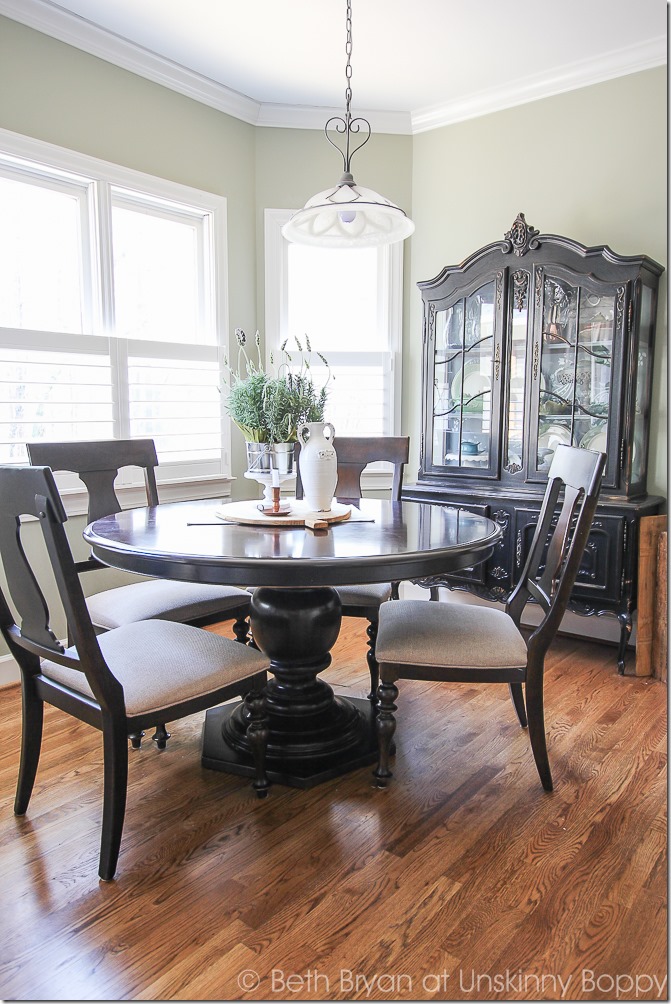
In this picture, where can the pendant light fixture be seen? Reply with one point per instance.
(348, 215)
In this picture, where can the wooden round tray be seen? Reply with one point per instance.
(299, 511)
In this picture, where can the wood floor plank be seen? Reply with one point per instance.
(463, 870)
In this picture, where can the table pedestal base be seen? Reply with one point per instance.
(313, 735)
(297, 772)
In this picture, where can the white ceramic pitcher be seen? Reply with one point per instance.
(318, 464)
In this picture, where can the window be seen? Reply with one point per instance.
(111, 306)
(349, 304)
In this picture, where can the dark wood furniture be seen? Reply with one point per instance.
(354, 453)
(296, 611)
(453, 642)
(121, 682)
(97, 463)
(533, 341)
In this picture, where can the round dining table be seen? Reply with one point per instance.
(295, 615)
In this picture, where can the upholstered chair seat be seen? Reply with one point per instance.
(163, 664)
(163, 599)
(364, 596)
(453, 635)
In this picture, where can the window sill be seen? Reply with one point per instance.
(134, 495)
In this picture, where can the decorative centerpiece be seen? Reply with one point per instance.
(269, 409)
(318, 464)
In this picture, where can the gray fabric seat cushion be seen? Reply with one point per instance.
(451, 635)
(360, 596)
(163, 599)
(161, 663)
(364, 596)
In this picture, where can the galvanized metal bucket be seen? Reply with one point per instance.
(264, 457)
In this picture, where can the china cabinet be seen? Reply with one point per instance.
(533, 341)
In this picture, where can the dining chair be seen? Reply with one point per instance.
(121, 681)
(97, 463)
(354, 453)
(452, 642)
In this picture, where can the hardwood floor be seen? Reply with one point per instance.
(464, 880)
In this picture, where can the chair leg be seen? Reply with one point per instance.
(534, 703)
(385, 726)
(160, 737)
(257, 736)
(434, 594)
(518, 701)
(115, 752)
(136, 739)
(31, 743)
(241, 629)
(373, 664)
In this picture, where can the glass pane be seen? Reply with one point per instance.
(641, 404)
(158, 278)
(317, 281)
(52, 396)
(40, 258)
(177, 403)
(351, 412)
(518, 344)
(576, 362)
(462, 393)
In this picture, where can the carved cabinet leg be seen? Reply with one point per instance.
(385, 725)
(625, 635)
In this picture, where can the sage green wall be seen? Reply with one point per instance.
(590, 164)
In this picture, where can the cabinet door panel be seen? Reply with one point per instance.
(464, 404)
(600, 570)
(575, 369)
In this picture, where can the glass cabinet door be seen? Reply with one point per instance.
(575, 374)
(464, 364)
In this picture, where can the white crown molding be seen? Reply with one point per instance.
(315, 117)
(583, 73)
(77, 31)
(49, 18)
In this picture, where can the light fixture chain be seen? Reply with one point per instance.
(348, 65)
(347, 126)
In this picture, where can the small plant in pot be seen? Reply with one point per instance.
(268, 409)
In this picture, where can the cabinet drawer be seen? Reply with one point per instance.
(600, 572)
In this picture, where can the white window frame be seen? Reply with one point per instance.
(101, 182)
(390, 296)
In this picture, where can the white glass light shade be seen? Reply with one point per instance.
(348, 216)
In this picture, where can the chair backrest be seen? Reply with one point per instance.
(32, 491)
(354, 453)
(98, 462)
(559, 540)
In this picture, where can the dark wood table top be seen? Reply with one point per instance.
(186, 540)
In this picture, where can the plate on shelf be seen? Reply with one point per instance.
(595, 439)
(475, 385)
(553, 436)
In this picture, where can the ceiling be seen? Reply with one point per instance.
(415, 66)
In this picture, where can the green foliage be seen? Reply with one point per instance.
(270, 409)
